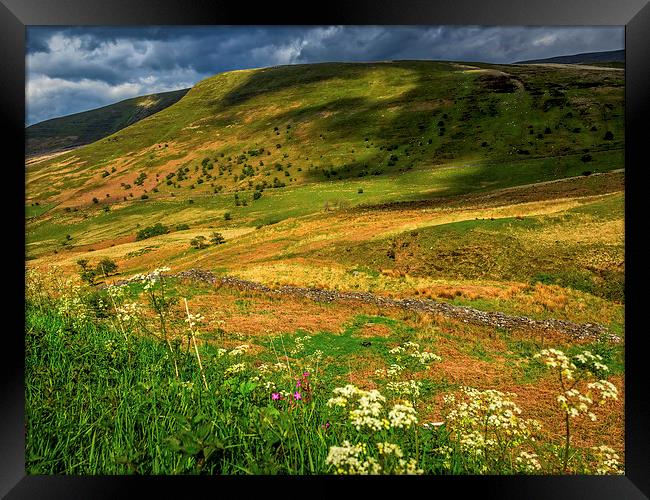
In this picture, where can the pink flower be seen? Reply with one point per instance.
(298, 383)
(306, 374)
(275, 396)
(297, 396)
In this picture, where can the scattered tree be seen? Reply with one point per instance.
(217, 238)
(105, 267)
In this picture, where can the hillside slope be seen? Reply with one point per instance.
(89, 126)
(265, 145)
(313, 123)
(610, 56)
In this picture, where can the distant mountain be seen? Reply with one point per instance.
(70, 131)
(585, 58)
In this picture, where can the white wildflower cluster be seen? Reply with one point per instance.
(264, 368)
(606, 388)
(72, 305)
(486, 425)
(402, 415)
(129, 312)
(608, 461)
(405, 388)
(592, 362)
(236, 368)
(393, 371)
(239, 350)
(149, 279)
(528, 462)
(572, 401)
(194, 319)
(392, 454)
(389, 449)
(354, 459)
(369, 410)
(299, 343)
(412, 350)
(351, 459)
(116, 292)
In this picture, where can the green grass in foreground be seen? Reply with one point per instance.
(106, 393)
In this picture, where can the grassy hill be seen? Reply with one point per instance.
(282, 142)
(89, 126)
(498, 188)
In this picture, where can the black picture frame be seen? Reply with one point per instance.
(15, 15)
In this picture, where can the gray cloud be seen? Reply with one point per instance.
(72, 69)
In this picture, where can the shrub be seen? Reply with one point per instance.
(199, 242)
(95, 200)
(257, 195)
(182, 227)
(144, 197)
(148, 232)
(140, 179)
(360, 190)
(227, 216)
(608, 136)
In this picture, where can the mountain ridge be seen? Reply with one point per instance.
(78, 129)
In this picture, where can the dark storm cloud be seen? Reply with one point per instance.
(73, 69)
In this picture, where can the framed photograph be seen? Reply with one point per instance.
(279, 245)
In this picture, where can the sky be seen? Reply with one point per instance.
(73, 69)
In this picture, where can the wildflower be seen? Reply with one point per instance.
(407, 388)
(607, 461)
(389, 449)
(241, 349)
(298, 383)
(194, 319)
(402, 415)
(297, 396)
(237, 368)
(528, 462)
(275, 396)
(350, 459)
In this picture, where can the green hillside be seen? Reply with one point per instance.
(89, 126)
(281, 142)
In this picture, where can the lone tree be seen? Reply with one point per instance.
(87, 274)
(217, 238)
(105, 267)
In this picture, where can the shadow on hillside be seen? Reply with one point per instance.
(432, 123)
(276, 79)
